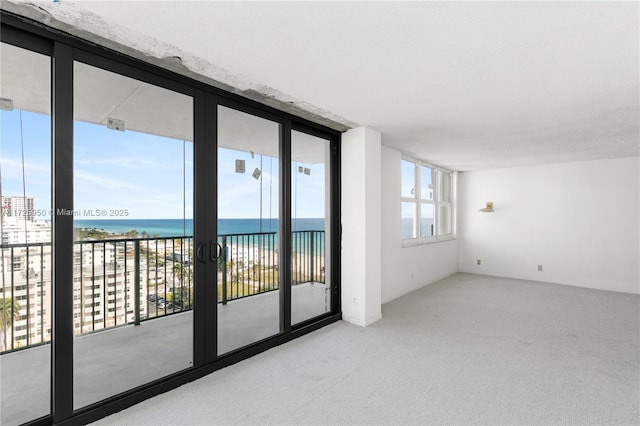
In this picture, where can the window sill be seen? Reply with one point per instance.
(423, 241)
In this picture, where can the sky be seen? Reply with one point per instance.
(37, 151)
(141, 176)
(408, 185)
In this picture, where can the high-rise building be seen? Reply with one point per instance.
(104, 282)
(18, 206)
(16, 230)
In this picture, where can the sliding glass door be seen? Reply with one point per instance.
(153, 229)
(133, 288)
(248, 302)
(310, 226)
(25, 235)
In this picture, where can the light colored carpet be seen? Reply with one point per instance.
(466, 350)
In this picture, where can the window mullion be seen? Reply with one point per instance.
(436, 201)
(418, 196)
(431, 203)
(416, 178)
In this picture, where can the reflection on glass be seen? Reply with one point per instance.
(444, 219)
(133, 186)
(445, 186)
(310, 280)
(408, 178)
(426, 183)
(426, 220)
(409, 223)
(248, 300)
(25, 231)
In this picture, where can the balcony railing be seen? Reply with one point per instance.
(127, 281)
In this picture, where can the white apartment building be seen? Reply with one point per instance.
(18, 206)
(104, 283)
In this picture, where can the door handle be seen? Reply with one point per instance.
(214, 255)
(200, 253)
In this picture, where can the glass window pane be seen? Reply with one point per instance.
(426, 220)
(445, 186)
(444, 219)
(25, 235)
(409, 223)
(310, 281)
(248, 212)
(426, 183)
(133, 200)
(408, 178)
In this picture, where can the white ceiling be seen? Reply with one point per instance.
(465, 85)
(100, 95)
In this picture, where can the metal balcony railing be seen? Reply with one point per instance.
(126, 281)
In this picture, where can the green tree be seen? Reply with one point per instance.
(132, 234)
(178, 269)
(9, 312)
(256, 268)
(81, 234)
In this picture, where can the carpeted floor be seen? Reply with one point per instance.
(466, 350)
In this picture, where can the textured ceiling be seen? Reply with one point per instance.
(466, 85)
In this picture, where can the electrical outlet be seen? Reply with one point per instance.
(355, 300)
(539, 267)
(478, 262)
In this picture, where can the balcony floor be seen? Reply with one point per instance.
(112, 361)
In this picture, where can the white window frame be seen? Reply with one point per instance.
(437, 202)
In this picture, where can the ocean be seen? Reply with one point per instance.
(408, 225)
(179, 227)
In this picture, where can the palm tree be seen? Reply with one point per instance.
(9, 312)
(178, 269)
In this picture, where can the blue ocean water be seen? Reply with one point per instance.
(180, 227)
(408, 225)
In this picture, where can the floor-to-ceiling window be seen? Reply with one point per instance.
(248, 211)
(133, 233)
(310, 226)
(25, 231)
(153, 230)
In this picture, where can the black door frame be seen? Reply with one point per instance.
(213, 101)
(64, 50)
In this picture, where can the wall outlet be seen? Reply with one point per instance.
(355, 300)
(539, 267)
(478, 262)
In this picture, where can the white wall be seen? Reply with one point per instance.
(405, 269)
(361, 217)
(580, 221)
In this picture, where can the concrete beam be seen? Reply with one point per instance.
(72, 19)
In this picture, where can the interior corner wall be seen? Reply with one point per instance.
(405, 269)
(580, 221)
